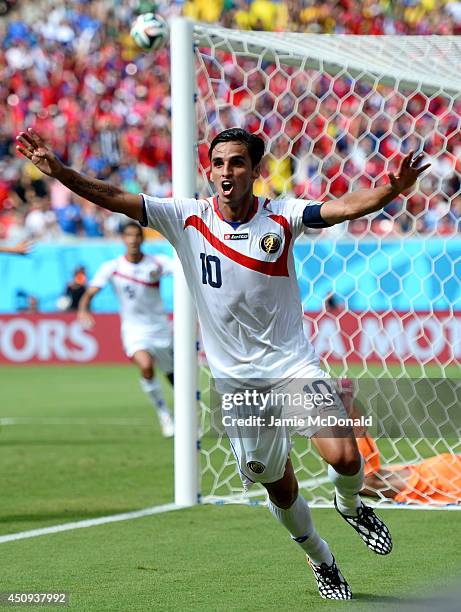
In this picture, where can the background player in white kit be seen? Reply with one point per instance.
(146, 332)
(236, 251)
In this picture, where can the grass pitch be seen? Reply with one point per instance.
(85, 443)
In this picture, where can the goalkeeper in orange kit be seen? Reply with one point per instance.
(436, 479)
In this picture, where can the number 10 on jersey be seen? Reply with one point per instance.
(211, 270)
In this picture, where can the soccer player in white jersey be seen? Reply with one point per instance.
(236, 250)
(146, 333)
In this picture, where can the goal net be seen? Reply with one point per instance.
(381, 295)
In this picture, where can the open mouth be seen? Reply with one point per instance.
(227, 187)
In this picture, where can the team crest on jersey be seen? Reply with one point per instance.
(236, 236)
(256, 466)
(270, 243)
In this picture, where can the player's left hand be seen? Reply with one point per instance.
(409, 171)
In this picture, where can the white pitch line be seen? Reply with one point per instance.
(128, 516)
(102, 520)
(245, 499)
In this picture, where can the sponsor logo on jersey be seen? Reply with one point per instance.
(270, 243)
(236, 236)
(256, 467)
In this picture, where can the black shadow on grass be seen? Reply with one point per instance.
(409, 603)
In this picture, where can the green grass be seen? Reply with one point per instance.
(204, 558)
(59, 472)
(221, 558)
(397, 371)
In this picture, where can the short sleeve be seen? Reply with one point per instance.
(294, 211)
(167, 215)
(103, 275)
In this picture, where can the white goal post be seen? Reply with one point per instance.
(336, 111)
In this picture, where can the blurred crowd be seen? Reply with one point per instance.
(332, 16)
(70, 70)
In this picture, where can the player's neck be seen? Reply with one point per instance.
(134, 257)
(236, 212)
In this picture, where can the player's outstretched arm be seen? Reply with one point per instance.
(84, 315)
(32, 146)
(21, 248)
(359, 203)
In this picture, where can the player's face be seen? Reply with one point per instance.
(132, 237)
(232, 173)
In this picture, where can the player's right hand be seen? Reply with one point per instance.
(85, 319)
(32, 146)
(22, 248)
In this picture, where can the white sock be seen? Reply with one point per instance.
(347, 489)
(153, 389)
(298, 520)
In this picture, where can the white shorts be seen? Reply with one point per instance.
(142, 339)
(261, 442)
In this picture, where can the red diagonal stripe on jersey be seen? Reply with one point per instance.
(270, 268)
(136, 280)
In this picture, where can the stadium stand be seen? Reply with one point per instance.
(70, 70)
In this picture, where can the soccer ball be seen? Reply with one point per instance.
(149, 31)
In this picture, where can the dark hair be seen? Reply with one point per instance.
(254, 144)
(132, 224)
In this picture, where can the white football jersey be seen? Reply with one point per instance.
(137, 286)
(243, 279)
